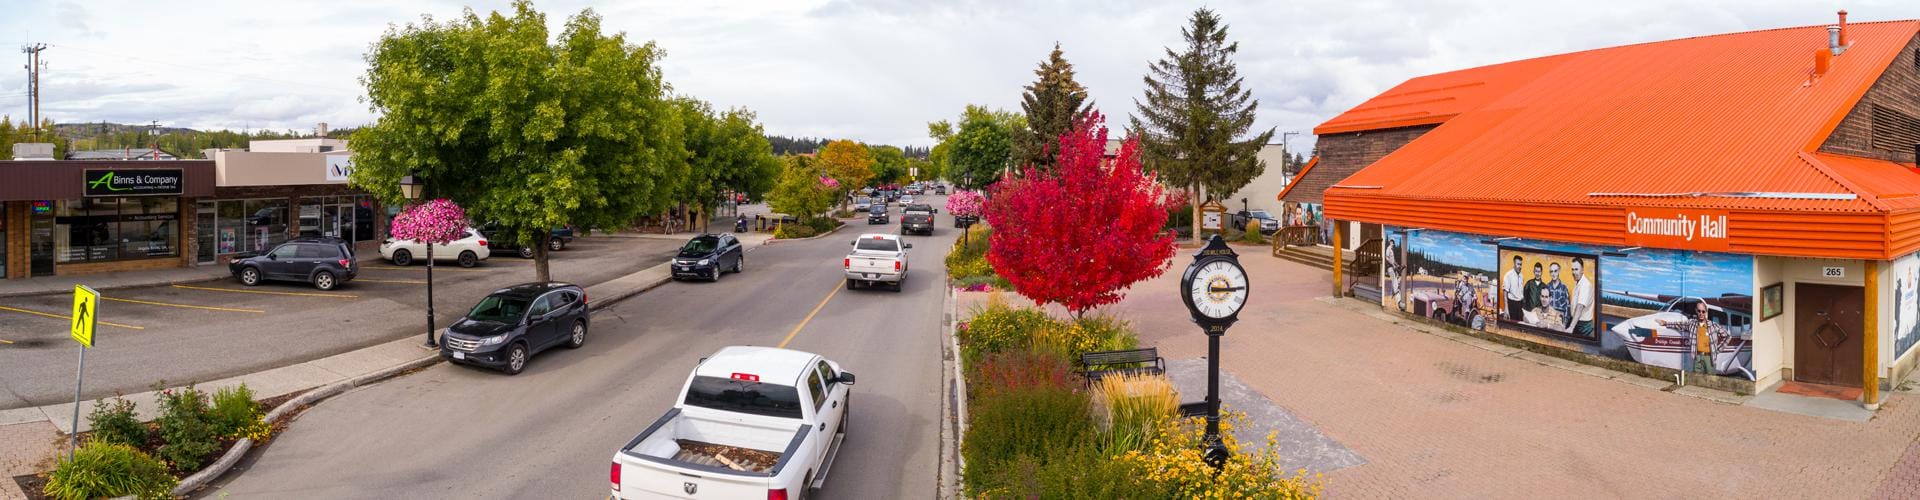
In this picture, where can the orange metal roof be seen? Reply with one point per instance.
(1302, 174)
(1690, 119)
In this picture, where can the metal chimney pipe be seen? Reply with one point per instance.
(1833, 40)
(1844, 39)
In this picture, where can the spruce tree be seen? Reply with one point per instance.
(1195, 107)
(1053, 104)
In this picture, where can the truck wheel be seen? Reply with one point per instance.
(853, 284)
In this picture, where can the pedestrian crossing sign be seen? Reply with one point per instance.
(86, 303)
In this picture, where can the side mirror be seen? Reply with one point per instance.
(844, 378)
(273, 257)
(936, 210)
(909, 245)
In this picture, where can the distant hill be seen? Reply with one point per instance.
(185, 143)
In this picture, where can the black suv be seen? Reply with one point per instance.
(323, 261)
(705, 256)
(512, 324)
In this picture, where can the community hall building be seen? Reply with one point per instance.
(1742, 210)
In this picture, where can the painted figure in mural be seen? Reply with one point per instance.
(1707, 338)
(1535, 292)
(1516, 296)
(1466, 299)
(1559, 300)
(1583, 297)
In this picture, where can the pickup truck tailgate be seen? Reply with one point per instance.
(658, 481)
(858, 263)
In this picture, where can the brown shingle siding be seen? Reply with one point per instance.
(1343, 154)
(1896, 97)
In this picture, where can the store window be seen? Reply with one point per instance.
(105, 229)
(3, 240)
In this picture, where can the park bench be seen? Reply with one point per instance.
(1131, 362)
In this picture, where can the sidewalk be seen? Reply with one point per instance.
(1446, 415)
(31, 437)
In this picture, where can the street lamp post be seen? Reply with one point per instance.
(412, 189)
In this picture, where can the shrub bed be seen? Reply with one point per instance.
(123, 456)
(1036, 431)
(967, 264)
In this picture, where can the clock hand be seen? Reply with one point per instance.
(1228, 288)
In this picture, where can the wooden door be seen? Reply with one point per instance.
(1828, 321)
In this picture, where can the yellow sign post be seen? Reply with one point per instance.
(86, 309)
(85, 302)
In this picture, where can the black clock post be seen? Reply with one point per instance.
(1214, 288)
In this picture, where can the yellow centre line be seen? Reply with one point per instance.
(811, 314)
(407, 282)
(68, 318)
(185, 306)
(264, 292)
(423, 268)
(5, 341)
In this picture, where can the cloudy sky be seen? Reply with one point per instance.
(871, 70)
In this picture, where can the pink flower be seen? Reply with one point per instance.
(964, 203)
(438, 222)
(829, 182)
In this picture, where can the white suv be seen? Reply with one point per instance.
(467, 251)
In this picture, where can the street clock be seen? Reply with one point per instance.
(1214, 287)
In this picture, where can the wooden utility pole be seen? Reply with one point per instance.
(33, 81)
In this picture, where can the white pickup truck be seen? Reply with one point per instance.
(877, 258)
(752, 422)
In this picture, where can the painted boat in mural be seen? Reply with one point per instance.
(1651, 343)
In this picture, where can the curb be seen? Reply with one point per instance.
(76, 279)
(240, 448)
(953, 464)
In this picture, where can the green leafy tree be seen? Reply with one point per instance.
(11, 133)
(1053, 104)
(889, 164)
(1195, 107)
(532, 134)
(940, 155)
(982, 147)
(727, 152)
(800, 192)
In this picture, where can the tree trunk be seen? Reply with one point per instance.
(540, 270)
(1193, 197)
(701, 212)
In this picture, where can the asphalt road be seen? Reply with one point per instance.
(456, 431)
(208, 331)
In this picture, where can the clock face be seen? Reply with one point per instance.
(1219, 289)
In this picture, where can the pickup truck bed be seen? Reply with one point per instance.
(709, 454)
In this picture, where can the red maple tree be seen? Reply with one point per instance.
(1080, 234)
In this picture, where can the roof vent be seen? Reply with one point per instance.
(1833, 41)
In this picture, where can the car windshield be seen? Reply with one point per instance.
(878, 245)
(756, 398)
(700, 245)
(1261, 214)
(499, 309)
(920, 208)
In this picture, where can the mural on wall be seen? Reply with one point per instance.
(1677, 309)
(1906, 294)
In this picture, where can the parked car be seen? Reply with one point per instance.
(878, 214)
(1268, 223)
(557, 239)
(750, 422)
(860, 203)
(467, 251)
(706, 255)
(917, 219)
(962, 221)
(877, 258)
(512, 324)
(324, 262)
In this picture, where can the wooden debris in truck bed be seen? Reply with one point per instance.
(696, 452)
